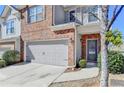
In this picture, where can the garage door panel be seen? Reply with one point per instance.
(36, 52)
(48, 53)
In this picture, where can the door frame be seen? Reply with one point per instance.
(87, 46)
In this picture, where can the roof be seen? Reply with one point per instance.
(5, 10)
(19, 7)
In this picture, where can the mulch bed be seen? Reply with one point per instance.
(72, 70)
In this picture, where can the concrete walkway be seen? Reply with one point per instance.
(78, 75)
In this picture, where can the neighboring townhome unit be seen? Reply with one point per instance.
(60, 35)
(10, 30)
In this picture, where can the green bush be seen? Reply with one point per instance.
(11, 57)
(115, 62)
(82, 63)
(2, 63)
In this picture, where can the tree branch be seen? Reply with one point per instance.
(115, 10)
(90, 12)
(14, 7)
(95, 16)
(105, 9)
(114, 17)
(20, 11)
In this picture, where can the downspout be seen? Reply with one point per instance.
(53, 15)
(75, 47)
(75, 28)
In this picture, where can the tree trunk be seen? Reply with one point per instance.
(104, 62)
(104, 58)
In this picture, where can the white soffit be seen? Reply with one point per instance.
(63, 26)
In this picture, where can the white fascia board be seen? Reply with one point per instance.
(63, 26)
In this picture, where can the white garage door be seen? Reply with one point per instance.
(48, 52)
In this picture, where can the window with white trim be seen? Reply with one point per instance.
(35, 14)
(10, 29)
(93, 12)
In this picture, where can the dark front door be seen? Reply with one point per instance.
(91, 50)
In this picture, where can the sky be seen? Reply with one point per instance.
(1, 8)
(118, 24)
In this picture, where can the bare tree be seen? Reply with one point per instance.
(106, 25)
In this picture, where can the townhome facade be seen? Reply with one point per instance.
(10, 30)
(60, 35)
(54, 35)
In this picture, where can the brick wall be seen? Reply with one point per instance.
(41, 31)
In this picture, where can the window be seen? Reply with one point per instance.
(10, 27)
(35, 14)
(72, 16)
(91, 17)
(10, 12)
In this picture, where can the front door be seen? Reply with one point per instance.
(92, 50)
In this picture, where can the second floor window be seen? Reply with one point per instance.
(10, 27)
(72, 16)
(35, 14)
(91, 17)
(10, 12)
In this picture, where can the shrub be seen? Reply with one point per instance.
(115, 62)
(11, 57)
(82, 63)
(2, 63)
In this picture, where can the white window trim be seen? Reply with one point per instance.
(43, 13)
(14, 27)
(87, 18)
(68, 19)
(95, 13)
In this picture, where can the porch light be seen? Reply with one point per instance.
(81, 40)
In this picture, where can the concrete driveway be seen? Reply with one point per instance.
(29, 75)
